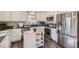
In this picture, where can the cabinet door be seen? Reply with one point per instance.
(19, 15)
(22, 16)
(7, 15)
(41, 16)
(15, 35)
(38, 16)
(15, 15)
(54, 34)
(44, 16)
(29, 40)
(2, 16)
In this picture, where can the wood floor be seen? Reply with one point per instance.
(18, 44)
(48, 44)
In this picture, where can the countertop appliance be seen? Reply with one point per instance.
(20, 25)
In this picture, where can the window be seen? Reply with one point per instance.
(31, 18)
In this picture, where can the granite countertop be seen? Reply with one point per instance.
(49, 27)
(26, 27)
(8, 29)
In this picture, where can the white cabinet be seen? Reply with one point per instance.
(39, 39)
(2, 16)
(15, 35)
(22, 16)
(41, 16)
(39, 36)
(15, 16)
(19, 15)
(34, 39)
(54, 34)
(29, 39)
(7, 15)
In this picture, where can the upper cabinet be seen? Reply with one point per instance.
(23, 15)
(41, 16)
(2, 16)
(13, 15)
(7, 16)
(19, 16)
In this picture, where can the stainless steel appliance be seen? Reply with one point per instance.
(66, 37)
(67, 31)
(47, 31)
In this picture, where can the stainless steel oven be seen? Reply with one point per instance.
(47, 32)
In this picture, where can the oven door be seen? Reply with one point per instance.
(47, 32)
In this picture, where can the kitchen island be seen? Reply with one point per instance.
(34, 38)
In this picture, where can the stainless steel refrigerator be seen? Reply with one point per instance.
(68, 29)
(67, 39)
(70, 40)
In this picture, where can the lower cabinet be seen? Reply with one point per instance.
(29, 40)
(33, 39)
(39, 39)
(15, 35)
(12, 35)
(54, 34)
